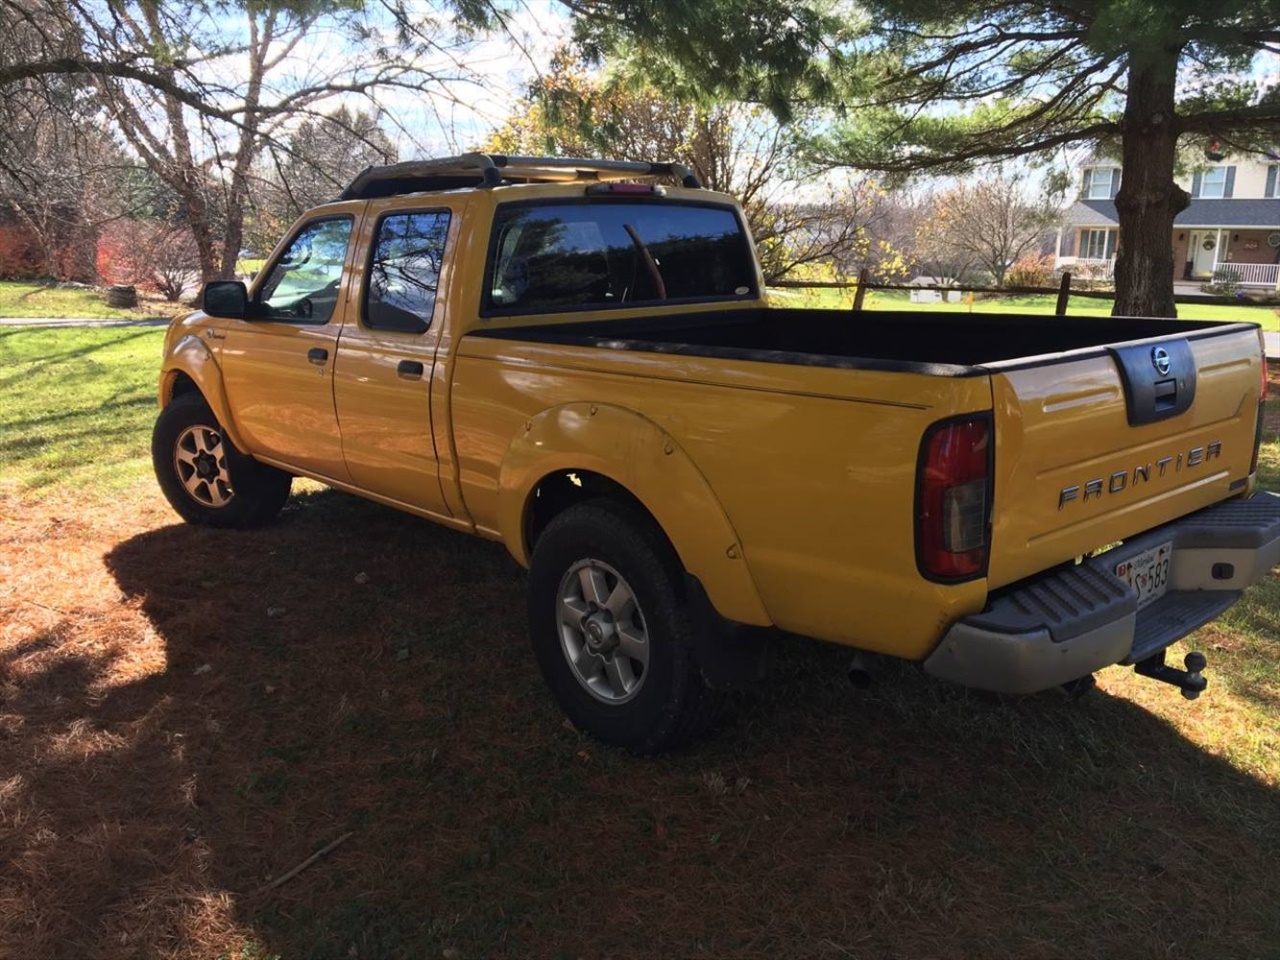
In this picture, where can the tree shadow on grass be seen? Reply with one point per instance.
(82, 351)
(354, 670)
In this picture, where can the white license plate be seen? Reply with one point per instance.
(1148, 573)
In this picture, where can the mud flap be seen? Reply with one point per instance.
(731, 655)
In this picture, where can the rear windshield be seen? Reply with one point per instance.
(591, 254)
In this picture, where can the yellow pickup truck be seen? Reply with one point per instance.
(578, 360)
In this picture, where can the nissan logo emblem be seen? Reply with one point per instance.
(1160, 360)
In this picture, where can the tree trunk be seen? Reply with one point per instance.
(199, 219)
(233, 232)
(1148, 199)
(233, 235)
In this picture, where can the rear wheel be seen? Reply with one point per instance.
(611, 629)
(204, 477)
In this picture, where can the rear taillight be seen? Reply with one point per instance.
(953, 499)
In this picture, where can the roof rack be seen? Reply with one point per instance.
(492, 170)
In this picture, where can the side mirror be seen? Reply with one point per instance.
(225, 298)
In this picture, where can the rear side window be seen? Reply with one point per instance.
(404, 272)
(593, 254)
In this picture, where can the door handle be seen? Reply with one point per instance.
(318, 355)
(409, 369)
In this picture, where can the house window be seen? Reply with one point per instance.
(1100, 181)
(1097, 244)
(1213, 183)
(1273, 186)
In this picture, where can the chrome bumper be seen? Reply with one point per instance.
(1069, 624)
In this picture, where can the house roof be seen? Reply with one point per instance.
(1093, 213)
(1230, 213)
(1201, 213)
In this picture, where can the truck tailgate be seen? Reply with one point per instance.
(1110, 443)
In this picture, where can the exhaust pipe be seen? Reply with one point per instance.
(1190, 681)
(860, 671)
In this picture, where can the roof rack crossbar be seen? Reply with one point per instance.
(491, 170)
(640, 168)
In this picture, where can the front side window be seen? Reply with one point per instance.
(1213, 183)
(610, 253)
(404, 272)
(302, 284)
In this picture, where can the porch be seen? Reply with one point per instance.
(1247, 257)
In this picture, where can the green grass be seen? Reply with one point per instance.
(76, 406)
(36, 300)
(1042, 305)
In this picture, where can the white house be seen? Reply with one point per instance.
(1233, 223)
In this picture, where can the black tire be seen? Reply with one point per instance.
(671, 703)
(238, 492)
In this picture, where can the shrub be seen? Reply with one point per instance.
(157, 257)
(1225, 282)
(19, 254)
(1030, 271)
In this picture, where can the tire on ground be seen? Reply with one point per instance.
(238, 491)
(671, 703)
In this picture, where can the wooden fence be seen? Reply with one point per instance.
(1063, 291)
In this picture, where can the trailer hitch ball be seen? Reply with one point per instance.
(1195, 682)
(1190, 681)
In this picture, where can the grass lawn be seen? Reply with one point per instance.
(1044, 305)
(188, 714)
(22, 299)
(77, 408)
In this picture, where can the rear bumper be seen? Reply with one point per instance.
(1064, 626)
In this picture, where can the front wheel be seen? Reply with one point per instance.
(611, 629)
(204, 477)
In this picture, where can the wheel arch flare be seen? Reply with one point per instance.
(562, 451)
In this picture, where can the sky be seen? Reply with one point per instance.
(477, 83)
(480, 80)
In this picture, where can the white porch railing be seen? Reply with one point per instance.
(1251, 274)
(1089, 268)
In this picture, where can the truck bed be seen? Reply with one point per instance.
(944, 345)
(810, 461)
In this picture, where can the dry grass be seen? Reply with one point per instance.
(186, 714)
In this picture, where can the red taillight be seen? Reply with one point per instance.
(953, 499)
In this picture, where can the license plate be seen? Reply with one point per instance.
(1148, 573)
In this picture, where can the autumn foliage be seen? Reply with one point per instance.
(157, 257)
(19, 256)
(1030, 270)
